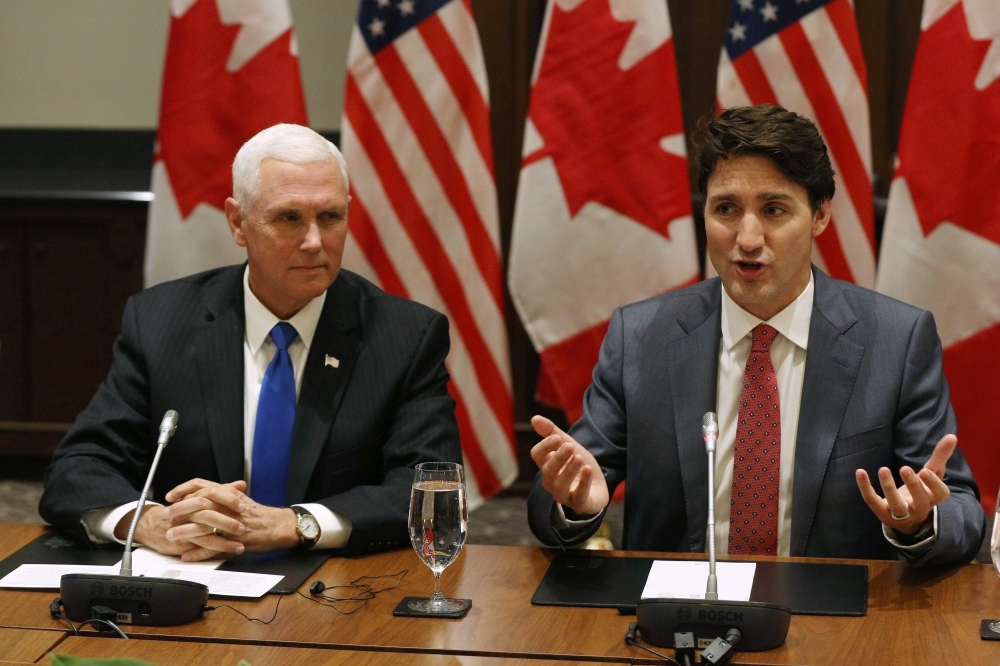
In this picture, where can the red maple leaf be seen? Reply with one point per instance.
(949, 149)
(602, 126)
(207, 113)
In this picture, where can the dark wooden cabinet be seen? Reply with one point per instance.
(66, 270)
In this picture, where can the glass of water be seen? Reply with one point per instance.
(439, 520)
(995, 540)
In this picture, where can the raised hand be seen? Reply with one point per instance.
(907, 507)
(569, 471)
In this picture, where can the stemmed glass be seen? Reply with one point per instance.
(995, 554)
(439, 520)
(995, 539)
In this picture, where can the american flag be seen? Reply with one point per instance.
(805, 55)
(416, 137)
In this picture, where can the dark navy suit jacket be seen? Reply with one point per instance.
(360, 428)
(874, 395)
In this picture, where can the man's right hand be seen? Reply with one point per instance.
(158, 528)
(569, 471)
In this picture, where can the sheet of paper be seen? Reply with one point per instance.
(47, 576)
(144, 558)
(686, 579)
(221, 583)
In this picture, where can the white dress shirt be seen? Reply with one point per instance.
(258, 350)
(788, 355)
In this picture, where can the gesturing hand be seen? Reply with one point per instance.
(569, 471)
(906, 508)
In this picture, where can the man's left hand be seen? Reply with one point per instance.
(906, 508)
(265, 528)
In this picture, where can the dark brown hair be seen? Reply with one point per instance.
(789, 140)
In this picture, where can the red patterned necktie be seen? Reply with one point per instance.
(753, 517)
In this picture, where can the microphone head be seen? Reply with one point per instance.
(169, 422)
(710, 425)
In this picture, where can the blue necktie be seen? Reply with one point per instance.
(272, 437)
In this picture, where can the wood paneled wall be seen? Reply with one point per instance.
(66, 270)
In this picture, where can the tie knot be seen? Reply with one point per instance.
(763, 336)
(283, 334)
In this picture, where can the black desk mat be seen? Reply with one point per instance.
(582, 578)
(54, 548)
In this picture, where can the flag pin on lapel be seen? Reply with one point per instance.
(332, 361)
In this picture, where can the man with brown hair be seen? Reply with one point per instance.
(819, 386)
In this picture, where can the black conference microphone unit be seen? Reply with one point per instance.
(159, 602)
(761, 626)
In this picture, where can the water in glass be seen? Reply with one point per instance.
(995, 538)
(439, 523)
(439, 519)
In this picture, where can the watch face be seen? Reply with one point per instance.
(308, 527)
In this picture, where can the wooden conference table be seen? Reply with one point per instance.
(915, 616)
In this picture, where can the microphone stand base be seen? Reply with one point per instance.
(154, 602)
(764, 626)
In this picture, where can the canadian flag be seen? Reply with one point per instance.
(232, 69)
(941, 244)
(603, 213)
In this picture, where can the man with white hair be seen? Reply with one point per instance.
(306, 394)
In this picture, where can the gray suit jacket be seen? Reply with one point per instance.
(874, 395)
(360, 428)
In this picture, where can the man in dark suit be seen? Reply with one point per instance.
(819, 386)
(306, 394)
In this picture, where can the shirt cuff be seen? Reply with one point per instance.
(100, 524)
(563, 523)
(915, 549)
(334, 529)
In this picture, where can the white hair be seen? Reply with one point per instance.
(285, 143)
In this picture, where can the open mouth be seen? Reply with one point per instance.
(749, 268)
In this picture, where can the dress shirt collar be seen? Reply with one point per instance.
(792, 322)
(260, 320)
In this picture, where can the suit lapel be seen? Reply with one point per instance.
(219, 354)
(832, 363)
(338, 338)
(694, 370)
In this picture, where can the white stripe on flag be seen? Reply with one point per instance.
(462, 28)
(355, 259)
(844, 81)
(490, 435)
(789, 92)
(731, 91)
(454, 125)
(438, 210)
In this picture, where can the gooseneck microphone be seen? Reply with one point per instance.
(710, 432)
(167, 427)
(159, 602)
(761, 625)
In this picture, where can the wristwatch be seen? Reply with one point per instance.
(307, 528)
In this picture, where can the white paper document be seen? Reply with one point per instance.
(144, 558)
(150, 564)
(47, 576)
(221, 583)
(686, 579)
